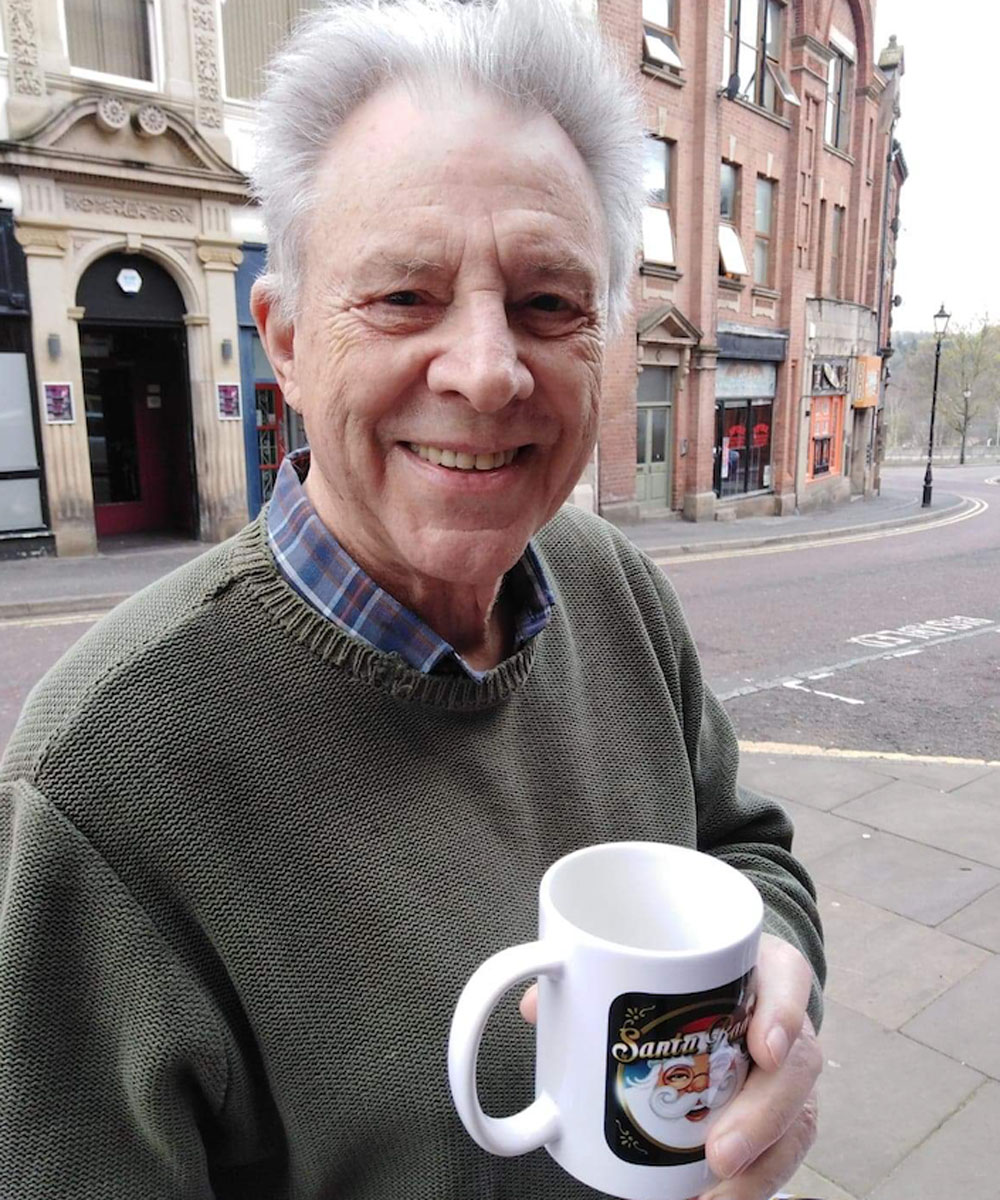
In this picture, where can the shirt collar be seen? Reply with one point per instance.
(326, 577)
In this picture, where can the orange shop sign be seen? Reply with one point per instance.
(869, 373)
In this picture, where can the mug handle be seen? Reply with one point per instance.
(539, 1122)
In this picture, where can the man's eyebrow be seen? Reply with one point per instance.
(560, 267)
(395, 266)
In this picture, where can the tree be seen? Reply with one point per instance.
(970, 375)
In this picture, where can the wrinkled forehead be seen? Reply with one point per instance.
(404, 145)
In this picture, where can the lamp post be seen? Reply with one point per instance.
(941, 319)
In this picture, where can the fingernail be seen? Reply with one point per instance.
(777, 1043)
(732, 1152)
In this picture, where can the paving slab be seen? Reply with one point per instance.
(939, 776)
(962, 825)
(978, 923)
(807, 1183)
(964, 1023)
(986, 788)
(958, 1160)
(821, 783)
(881, 1095)
(906, 877)
(884, 966)
(817, 833)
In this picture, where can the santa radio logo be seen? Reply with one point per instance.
(674, 1062)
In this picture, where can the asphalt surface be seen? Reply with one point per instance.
(768, 621)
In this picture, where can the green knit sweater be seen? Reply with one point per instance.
(247, 864)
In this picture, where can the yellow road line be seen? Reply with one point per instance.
(794, 750)
(55, 619)
(977, 509)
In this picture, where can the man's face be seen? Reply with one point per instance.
(447, 358)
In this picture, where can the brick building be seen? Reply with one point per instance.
(135, 395)
(751, 379)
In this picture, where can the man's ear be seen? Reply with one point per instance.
(278, 336)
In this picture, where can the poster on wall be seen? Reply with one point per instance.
(229, 401)
(59, 404)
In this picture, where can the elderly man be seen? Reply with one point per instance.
(261, 823)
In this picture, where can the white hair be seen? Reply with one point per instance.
(534, 55)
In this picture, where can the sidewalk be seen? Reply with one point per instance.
(906, 857)
(39, 586)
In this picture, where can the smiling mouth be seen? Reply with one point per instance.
(460, 461)
(697, 1114)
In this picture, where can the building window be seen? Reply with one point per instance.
(763, 229)
(838, 104)
(743, 447)
(837, 253)
(732, 260)
(659, 34)
(825, 426)
(753, 37)
(657, 225)
(252, 30)
(111, 37)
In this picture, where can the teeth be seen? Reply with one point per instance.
(462, 461)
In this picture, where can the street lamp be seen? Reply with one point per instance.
(941, 319)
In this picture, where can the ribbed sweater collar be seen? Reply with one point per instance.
(253, 564)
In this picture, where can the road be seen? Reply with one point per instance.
(787, 637)
(795, 638)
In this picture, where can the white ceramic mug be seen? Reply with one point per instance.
(645, 964)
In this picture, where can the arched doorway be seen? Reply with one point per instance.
(133, 351)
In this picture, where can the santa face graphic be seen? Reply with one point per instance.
(674, 1101)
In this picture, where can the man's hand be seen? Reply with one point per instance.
(766, 1132)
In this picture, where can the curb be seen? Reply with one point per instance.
(62, 605)
(717, 546)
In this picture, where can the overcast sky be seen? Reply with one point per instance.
(949, 248)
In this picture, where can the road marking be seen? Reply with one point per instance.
(62, 619)
(928, 630)
(847, 664)
(798, 686)
(795, 750)
(978, 507)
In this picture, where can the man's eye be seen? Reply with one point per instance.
(402, 299)
(549, 303)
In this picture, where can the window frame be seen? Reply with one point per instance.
(154, 19)
(667, 34)
(765, 237)
(839, 108)
(826, 422)
(769, 81)
(665, 205)
(729, 228)
(721, 473)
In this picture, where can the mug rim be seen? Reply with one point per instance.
(749, 930)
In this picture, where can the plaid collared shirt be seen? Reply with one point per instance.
(326, 577)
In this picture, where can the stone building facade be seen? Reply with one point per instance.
(113, 154)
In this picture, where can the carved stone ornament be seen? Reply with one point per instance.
(111, 114)
(23, 31)
(206, 58)
(149, 121)
(132, 208)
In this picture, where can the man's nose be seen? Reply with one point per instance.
(699, 1083)
(479, 359)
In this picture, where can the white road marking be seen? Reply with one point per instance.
(978, 507)
(928, 630)
(848, 664)
(907, 653)
(798, 686)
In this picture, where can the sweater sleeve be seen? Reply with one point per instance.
(749, 831)
(111, 1062)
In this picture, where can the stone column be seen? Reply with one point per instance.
(219, 445)
(64, 446)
